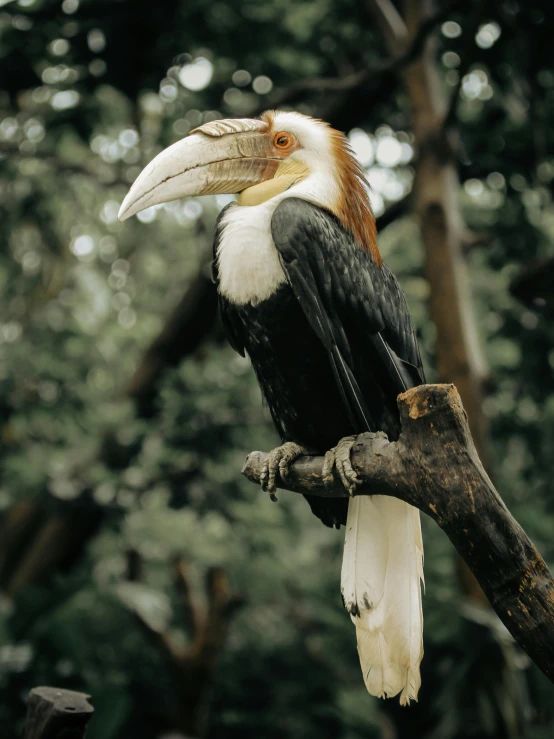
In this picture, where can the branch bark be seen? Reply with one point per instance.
(435, 467)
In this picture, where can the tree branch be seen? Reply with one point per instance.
(184, 588)
(394, 211)
(435, 467)
(467, 58)
(369, 75)
(391, 23)
(193, 666)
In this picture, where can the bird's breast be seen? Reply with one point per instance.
(248, 262)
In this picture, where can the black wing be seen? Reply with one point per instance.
(357, 309)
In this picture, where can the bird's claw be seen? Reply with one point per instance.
(278, 460)
(339, 458)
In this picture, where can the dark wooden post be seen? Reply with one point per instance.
(53, 713)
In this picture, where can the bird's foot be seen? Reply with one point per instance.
(278, 461)
(339, 458)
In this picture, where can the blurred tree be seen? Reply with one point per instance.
(104, 452)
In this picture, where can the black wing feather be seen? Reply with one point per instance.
(354, 305)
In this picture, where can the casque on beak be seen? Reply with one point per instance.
(224, 156)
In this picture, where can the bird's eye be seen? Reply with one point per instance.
(282, 140)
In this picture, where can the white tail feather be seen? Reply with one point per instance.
(382, 571)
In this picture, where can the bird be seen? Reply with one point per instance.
(304, 292)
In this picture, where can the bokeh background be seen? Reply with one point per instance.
(135, 562)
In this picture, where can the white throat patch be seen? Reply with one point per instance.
(249, 266)
(248, 262)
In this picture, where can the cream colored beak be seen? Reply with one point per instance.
(220, 157)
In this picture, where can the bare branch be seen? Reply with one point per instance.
(467, 56)
(317, 84)
(368, 76)
(394, 211)
(435, 467)
(390, 21)
(193, 666)
(182, 577)
(162, 640)
(417, 43)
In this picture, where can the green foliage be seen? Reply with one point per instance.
(92, 91)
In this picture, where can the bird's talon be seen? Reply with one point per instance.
(283, 471)
(339, 459)
(264, 476)
(328, 464)
(278, 461)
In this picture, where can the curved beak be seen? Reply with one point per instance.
(224, 156)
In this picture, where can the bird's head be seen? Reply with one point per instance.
(260, 159)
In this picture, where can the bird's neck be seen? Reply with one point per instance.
(287, 175)
(338, 185)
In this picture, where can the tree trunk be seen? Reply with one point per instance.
(436, 204)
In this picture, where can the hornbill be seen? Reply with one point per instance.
(304, 292)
